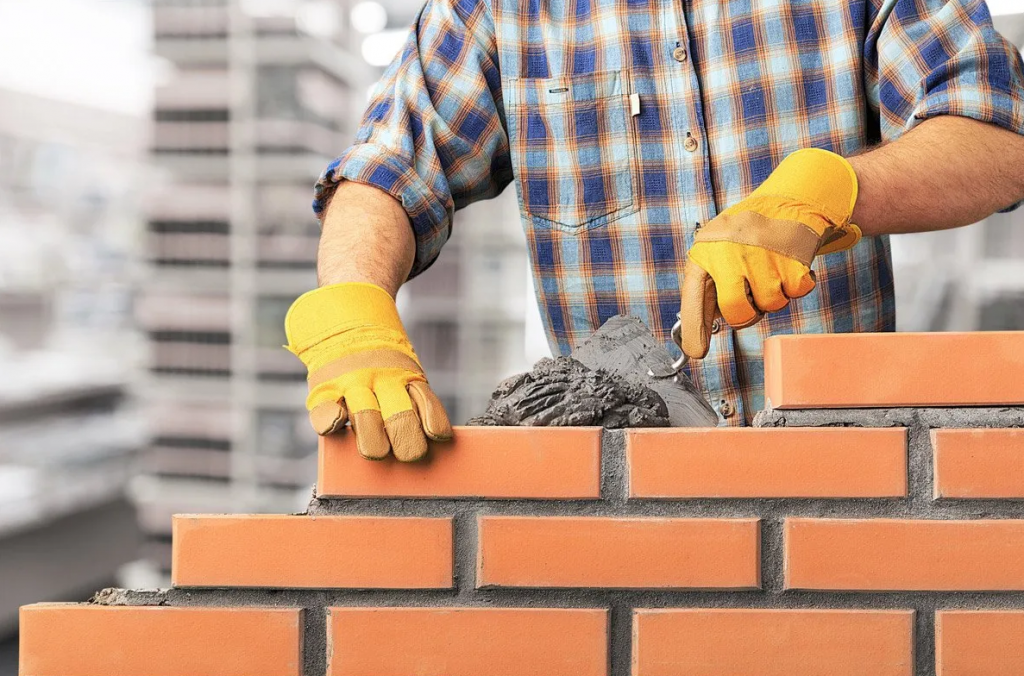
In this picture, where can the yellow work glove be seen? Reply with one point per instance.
(756, 255)
(362, 368)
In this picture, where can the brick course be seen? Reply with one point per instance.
(767, 463)
(828, 541)
(843, 370)
(59, 639)
(484, 462)
(270, 550)
(467, 641)
(987, 463)
(549, 551)
(903, 554)
(714, 642)
(979, 643)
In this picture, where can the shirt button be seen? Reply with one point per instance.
(716, 326)
(679, 54)
(690, 143)
(726, 409)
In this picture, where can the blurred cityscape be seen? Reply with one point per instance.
(156, 164)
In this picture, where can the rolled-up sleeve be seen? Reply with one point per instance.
(434, 133)
(925, 58)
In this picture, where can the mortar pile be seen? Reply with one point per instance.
(563, 392)
(622, 376)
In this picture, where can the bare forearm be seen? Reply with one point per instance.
(948, 172)
(366, 238)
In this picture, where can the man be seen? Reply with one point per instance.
(636, 132)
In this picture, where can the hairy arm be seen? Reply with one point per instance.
(947, 172)
(366, 238)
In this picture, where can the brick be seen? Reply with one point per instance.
(269, 550)
(467, 642)
(888, 554)
(485, 462)
(979, 463)
(618, 553)
(59, 639)
(767, 463)
(979, 643)
(699, 642)
(895, 369)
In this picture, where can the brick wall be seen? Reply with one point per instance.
(882, 538)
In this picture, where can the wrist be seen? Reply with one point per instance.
(367, 237)
(871, 195)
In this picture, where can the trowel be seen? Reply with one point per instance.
(626, 347)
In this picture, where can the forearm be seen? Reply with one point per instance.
(366, 238)
(946, 173)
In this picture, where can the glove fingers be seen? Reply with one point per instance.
(400, 421)
(697, 310)
(367, 423)
(431, 411)
(406, 436)
(737, 304)
(328, 417)
(371, 438)
(799, 282)
(769, 297)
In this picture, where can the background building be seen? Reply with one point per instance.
(256, 100)
(69, 427)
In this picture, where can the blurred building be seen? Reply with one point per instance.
(69, 177)
(257, 100)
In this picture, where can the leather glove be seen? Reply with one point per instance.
(362, 368)
(756, 255)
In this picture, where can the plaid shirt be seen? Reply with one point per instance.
(626, 123)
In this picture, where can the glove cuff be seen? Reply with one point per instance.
(330, 310)
(818, 178)
(817, 188)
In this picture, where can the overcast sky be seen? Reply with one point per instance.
(93, 52)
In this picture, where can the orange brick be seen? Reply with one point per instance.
(767, 463)
(979, 463)
(270, 550)
(979, 643)
(59, 639)
(618, 553)
(895, 369)
(486, 462)
(467, 642)
(699, 642)
(886, 554)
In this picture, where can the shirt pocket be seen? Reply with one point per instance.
(573, 147)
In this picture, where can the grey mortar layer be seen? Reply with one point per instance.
(614, 502)
(621, 376)
(563, 392)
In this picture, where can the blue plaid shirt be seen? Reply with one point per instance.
(626, 123)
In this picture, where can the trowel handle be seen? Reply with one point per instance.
(677, 338)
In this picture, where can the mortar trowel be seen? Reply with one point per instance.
(626, 347)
